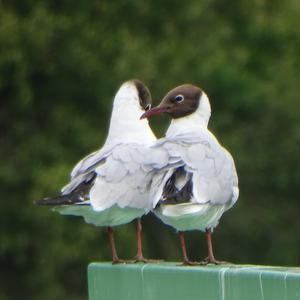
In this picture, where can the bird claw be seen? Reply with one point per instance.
(188, 262)
(142, 259)
(211, 260)
(117, 261)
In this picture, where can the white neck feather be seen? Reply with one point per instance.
(199, 118)
(125, 123)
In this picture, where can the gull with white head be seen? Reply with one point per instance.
(109, 187)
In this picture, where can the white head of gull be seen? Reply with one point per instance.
(109, 187)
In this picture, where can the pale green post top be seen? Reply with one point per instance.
(168, 281)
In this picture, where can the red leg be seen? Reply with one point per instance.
(210, 259)
(185, 259)
(115, 258)
(139, 254)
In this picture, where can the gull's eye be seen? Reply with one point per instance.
(148, 106)
(179, 98)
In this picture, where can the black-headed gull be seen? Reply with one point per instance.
(109, 187)
(194, 194)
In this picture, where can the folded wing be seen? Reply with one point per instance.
(126, 177)
(205, 173)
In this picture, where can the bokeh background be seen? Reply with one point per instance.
(61, 63)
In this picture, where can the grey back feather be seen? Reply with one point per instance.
(210, 173)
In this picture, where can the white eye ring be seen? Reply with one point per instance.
(179, 98)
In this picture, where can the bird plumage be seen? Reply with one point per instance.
(109, 186)
(112, 175)
(195, 194)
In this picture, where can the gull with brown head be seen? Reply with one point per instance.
(194, 194)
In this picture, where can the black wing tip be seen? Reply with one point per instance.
(45, 201)
(53, 201)
(60, 200)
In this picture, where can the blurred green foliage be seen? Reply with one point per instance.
(61, 63)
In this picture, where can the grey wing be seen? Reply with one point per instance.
(235, 181)
(212, 169)
(84, 170)
(125, 178)
(161, 173)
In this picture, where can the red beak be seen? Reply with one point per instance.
(154, 111)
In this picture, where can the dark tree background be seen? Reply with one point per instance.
(61, 63)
